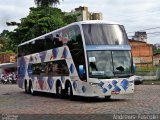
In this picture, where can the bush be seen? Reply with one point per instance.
(7, 52)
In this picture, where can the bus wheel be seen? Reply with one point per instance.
(31, 88)
(69, 91)
(59, 92)
(25, 86)
(107, 98)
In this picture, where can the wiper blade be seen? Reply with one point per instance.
(105, 77)
(101, 77)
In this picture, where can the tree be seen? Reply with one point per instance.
(46, 3)
(41, 20)
(12, 23)
(71, 18)
(38, 22)
(5, 42)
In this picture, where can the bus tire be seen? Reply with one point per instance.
(25, 87)
(69, 91)
(59, 91)
(107, 98)
(31, 91)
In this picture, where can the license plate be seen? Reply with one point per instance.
(115, 92)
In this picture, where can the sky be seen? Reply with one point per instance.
(135, 15)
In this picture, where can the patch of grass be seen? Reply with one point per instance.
(151, 82)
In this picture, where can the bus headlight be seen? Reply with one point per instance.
(131, 83)
(94, 84)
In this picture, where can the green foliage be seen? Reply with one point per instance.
(71, 18)
(7, 52)
(145, 69)
(12, 23)
(46, 3)
(41, 21)
(5, 41)
(156, 51)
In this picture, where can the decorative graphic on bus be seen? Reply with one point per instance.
(65, 37)
(42, 55)
(36, 57)
(54, 53)
(72, 68)
(21, 71)
(74, 85)
(104, 90)
(62, 79)
(116, 89)
(124, 84)
(41, 82)
(109, 86)
(114, 82)
(113, 85)
(29, 70)
(65, 53)
(72, 35)
(101, 84)
(83, 89)
(50, 82)
(31, 59)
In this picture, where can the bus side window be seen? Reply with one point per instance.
(52, 41)
(57, 42)
(58, 68)
(50, 67)
(36, 69)
(75, 45)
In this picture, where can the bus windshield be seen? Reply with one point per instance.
(104, 34)
(108, 64)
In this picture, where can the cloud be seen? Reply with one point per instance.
(13, 10)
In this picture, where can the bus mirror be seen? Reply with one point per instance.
(134, 68)
(81, 70)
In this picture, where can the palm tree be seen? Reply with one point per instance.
(45, 3)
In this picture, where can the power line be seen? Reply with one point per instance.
(133, 15)
(144, 29)
(154, 33)
(148, 34)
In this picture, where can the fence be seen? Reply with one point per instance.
(149, 73)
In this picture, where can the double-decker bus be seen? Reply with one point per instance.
(86, 58)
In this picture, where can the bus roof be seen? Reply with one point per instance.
(96, 22)
(75, 23)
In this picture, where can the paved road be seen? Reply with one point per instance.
(146, 100)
